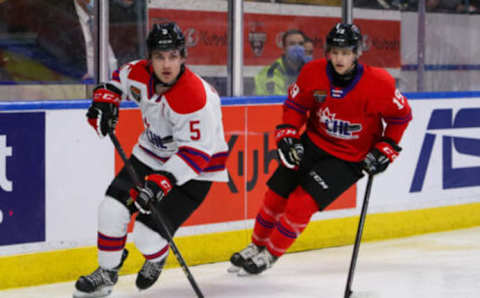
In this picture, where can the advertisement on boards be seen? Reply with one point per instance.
(251, 161)
(22, 177)
(440, 161)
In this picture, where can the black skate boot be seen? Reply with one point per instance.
(149, 274)
(258, 263)
(238, 259)
(100, 283)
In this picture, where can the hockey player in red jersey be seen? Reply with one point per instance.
(181, 151)
(341, 104)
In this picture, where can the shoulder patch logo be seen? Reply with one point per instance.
(319, 95)
(136, 93)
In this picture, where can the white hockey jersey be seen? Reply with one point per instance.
(183, 127)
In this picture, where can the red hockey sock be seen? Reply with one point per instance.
(300, 208)
(273, 206)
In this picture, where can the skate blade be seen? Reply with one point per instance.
(242, 273)
(233, 269)
(97, 294)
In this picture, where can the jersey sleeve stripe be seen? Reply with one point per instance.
(398, 120)
(291, 107)
(195, 152)
(217, 162)
(189, 162)
(294, 104)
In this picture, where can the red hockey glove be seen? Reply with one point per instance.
(103, 112)
(382, 154)
(156, 187)
(290, 148)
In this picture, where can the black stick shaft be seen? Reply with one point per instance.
(358, 238)
(157, 215)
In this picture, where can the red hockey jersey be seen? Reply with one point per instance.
(346, 122)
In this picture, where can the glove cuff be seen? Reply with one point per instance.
(164, 180)
(107, 93)
(286, 131)
(388, 148)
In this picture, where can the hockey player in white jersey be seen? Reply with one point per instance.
(180, 153)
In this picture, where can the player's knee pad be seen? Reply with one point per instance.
(300, 208)
(113, 217)
(273, 204)
(153, 246)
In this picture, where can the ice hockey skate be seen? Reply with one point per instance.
(238, 259)
(149, 274)
(258, 263)
(100, 283)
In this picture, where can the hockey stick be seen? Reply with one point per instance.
(356, 246)
(156, 214)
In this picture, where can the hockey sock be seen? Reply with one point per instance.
(113, 219)
(300, 208)
(153, 246)
(273, 206)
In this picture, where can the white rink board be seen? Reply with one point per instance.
(79, 167)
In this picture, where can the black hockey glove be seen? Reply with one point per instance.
(289, 146)
(382, 154)
(156, 187)
(103, 112)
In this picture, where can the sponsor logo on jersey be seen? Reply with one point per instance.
(22, 178)
(319, 95)
(336, 127)
(136, 93)
(452, 131)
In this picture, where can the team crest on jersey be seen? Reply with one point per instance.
(319, 95)
(136, 93)
(336, 127)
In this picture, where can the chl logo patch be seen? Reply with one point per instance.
(445, 120)
(338, 128)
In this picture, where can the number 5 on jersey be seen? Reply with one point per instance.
(195, 136)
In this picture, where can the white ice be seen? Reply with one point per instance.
(437, 265)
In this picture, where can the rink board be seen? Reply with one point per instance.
(52, 162)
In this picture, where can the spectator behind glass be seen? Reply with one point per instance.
(275, 78)
(309, 48)
(84, 9)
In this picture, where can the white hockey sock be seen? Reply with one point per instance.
(153, 246)
(113, 219)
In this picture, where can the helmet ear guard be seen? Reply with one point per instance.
(344, 36)
(166, 36)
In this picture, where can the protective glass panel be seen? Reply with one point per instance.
(438, 55)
